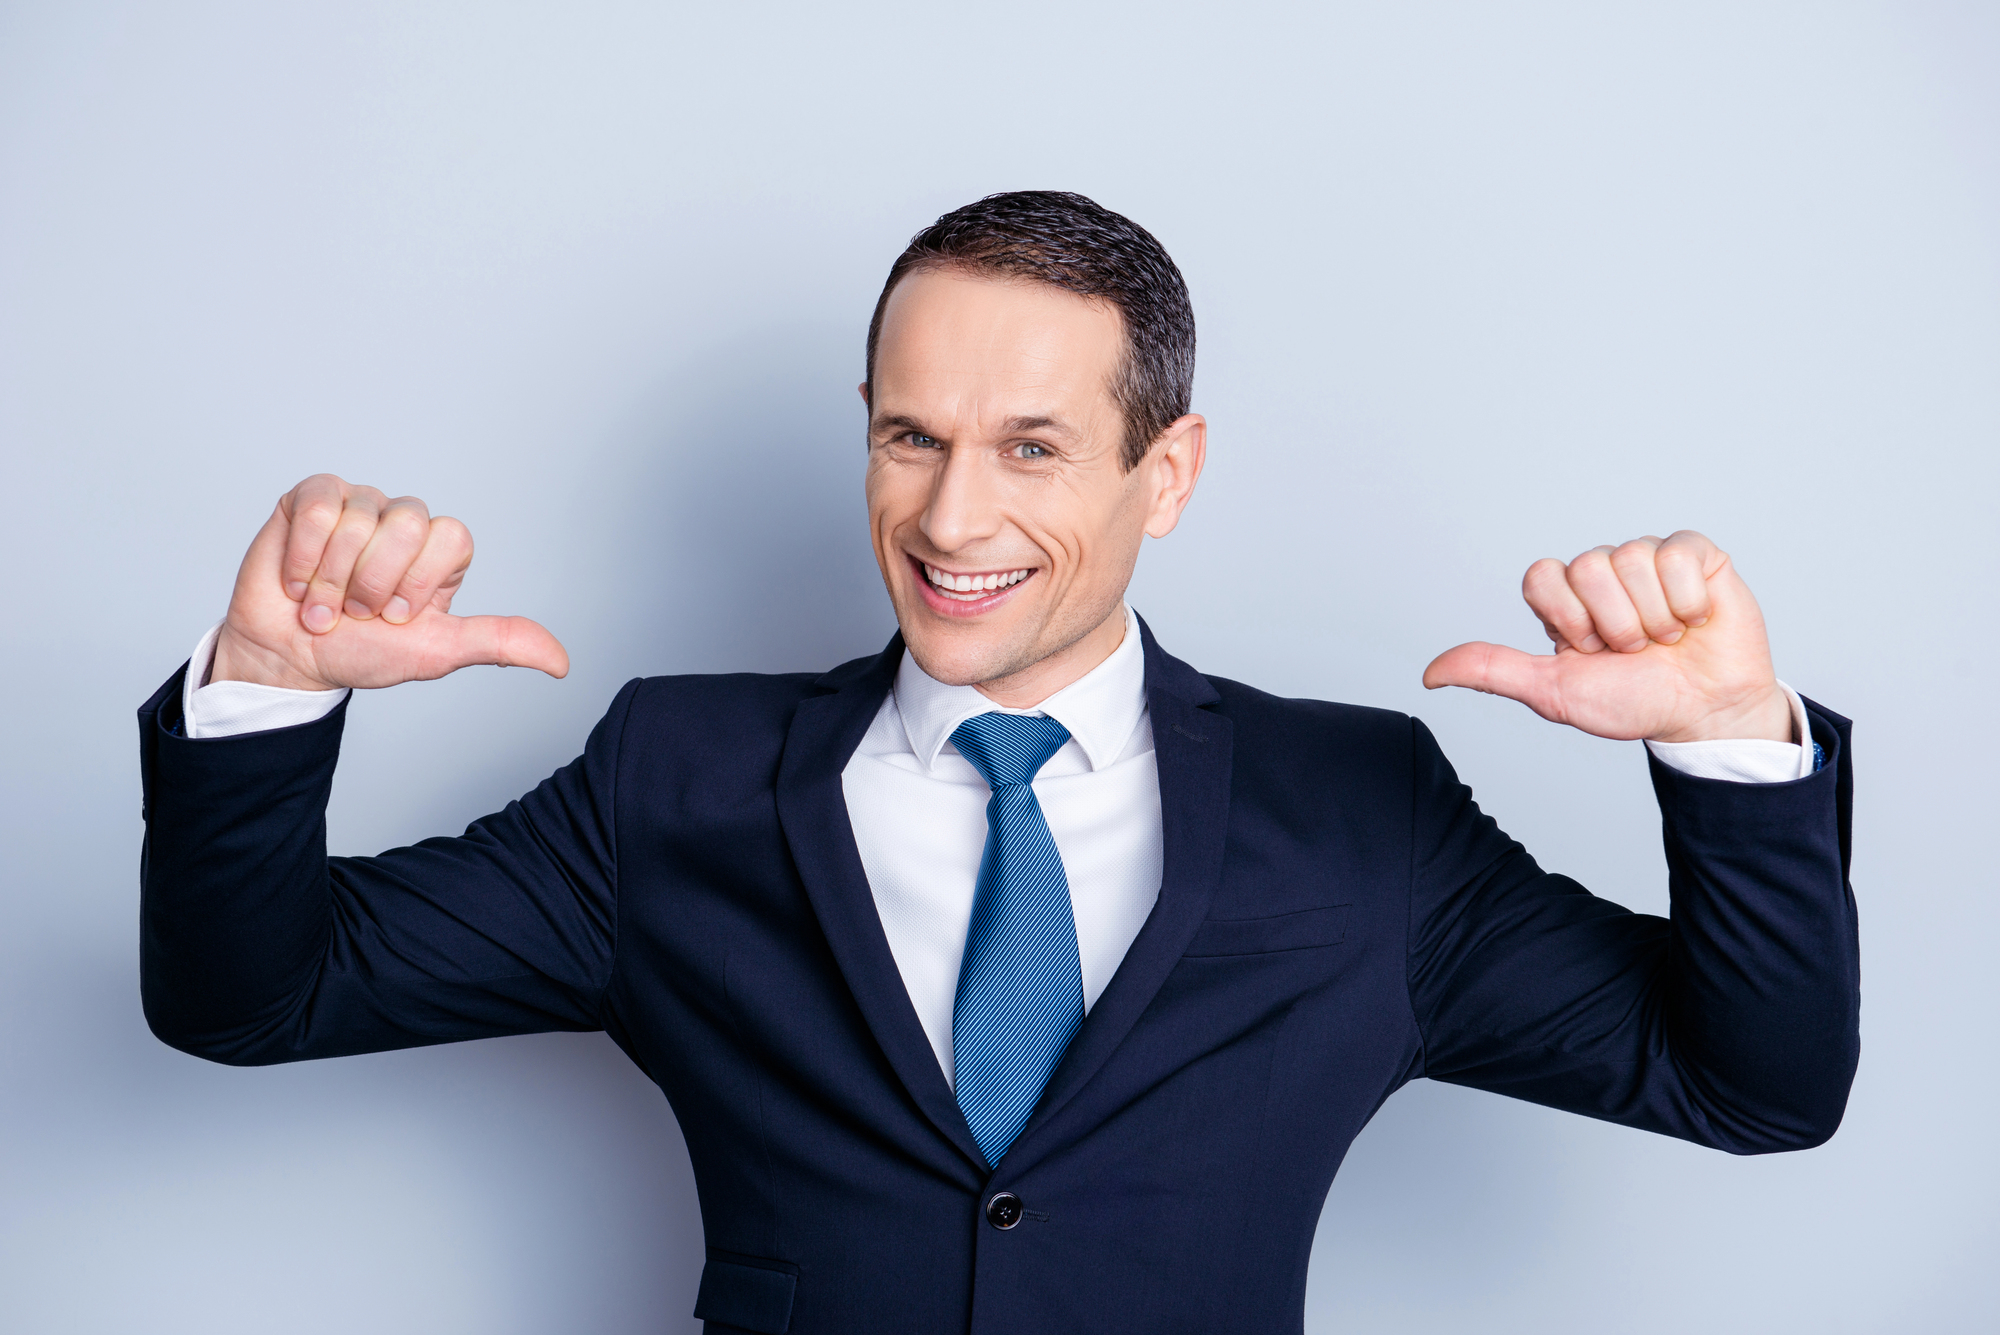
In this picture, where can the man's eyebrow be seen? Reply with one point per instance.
(1012, 426)
(896, 421)
(1050, 424)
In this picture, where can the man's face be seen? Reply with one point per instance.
(1005, 526)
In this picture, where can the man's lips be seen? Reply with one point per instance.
(967, 592)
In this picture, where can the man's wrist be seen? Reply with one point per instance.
(1766, 718)
(237, 659)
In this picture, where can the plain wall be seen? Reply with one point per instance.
(1476, 284)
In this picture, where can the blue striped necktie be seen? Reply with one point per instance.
(1020, 986)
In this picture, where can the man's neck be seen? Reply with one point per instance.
(1038, 681)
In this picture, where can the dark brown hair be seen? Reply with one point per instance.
(1070, 242)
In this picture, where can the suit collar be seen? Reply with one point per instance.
(1192, 746)
(1167, 674)
(812, 810)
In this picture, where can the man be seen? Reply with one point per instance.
(1020, 977)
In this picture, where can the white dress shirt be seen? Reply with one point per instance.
(918, 808)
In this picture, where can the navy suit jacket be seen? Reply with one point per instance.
(1335, 917)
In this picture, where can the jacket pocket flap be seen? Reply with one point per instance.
(1259, 936)
(747, 1296)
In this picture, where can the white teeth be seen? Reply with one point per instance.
(968, 588)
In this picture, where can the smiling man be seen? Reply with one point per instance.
(1021, 976)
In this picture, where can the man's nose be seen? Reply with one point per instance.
(964, 504)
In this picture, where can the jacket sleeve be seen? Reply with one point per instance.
(256, 947)
(1733, 1023)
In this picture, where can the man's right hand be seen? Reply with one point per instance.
(346, 587)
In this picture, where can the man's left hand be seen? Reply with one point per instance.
(1654, 639)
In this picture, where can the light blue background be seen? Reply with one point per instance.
(1476, 284)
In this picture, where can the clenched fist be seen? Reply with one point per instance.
(346, 587)
(1655, 639)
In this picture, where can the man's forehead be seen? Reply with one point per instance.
(999, 348)
(982, 321)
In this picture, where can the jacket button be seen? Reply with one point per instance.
(1004, 1210)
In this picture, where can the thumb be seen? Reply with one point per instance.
(503, 641)
(1497, 670)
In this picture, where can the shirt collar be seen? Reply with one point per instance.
(1100, 708)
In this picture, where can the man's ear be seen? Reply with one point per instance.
(1176, 463)
(863, 387)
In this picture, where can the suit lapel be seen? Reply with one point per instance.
(1192, 748)
(812, 809)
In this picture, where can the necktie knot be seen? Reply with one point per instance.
(1008, 749)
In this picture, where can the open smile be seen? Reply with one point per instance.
(966, 592)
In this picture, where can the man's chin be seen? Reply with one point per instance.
(961, 656)
(959, 669)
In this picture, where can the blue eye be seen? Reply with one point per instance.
(1030, 450)
(922, 441)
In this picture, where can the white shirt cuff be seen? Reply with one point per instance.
(230, 708)
(1745, 760)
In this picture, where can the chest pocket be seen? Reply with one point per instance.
(1303, 930)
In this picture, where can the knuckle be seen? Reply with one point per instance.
(374, 580)
(317, 517)
(356, 522)
(406, 524)
(1632, 556)
(1593, 559)
(1576, 624)
(321, 483)
(1543, 574)
(453, 539)
(1591, 567)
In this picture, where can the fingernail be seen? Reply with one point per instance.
(297, 588)
(1671, 637)
(397, 610)
(319, 617)
(359, 611)
(1698, 621)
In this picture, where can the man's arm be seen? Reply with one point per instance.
(1735, 1022)
(256, 947)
